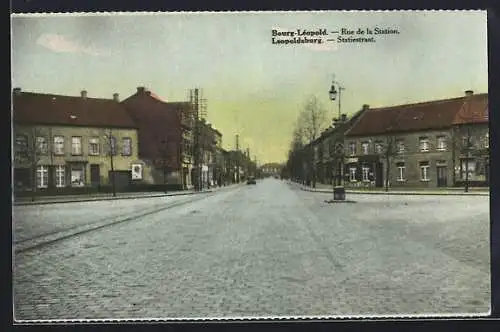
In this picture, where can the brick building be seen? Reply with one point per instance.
(71, 141)
(165, 137)
(420, 145)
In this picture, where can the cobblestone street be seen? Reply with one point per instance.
(264, 250)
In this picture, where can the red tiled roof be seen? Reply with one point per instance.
(419, 116)
(473, 111)
(155, 96)
(37, 108)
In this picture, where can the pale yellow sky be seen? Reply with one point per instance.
(253, 87)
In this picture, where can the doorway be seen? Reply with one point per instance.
(442, 180)
(95, 174)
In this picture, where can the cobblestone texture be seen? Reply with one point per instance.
(268, 250)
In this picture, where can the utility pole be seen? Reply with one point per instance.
(248, 162)
(194, 96)
(237, 158)
(255, 165)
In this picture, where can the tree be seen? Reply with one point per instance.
(471, 153)
(28, 150)
(311, 121)
(111, 152)
(389, 150)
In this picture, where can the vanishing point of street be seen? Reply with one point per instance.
(252, 251)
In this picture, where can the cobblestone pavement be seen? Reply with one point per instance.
(268, 250)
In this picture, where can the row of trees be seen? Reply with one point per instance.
(310, 122)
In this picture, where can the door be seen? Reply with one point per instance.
(95, 175)
(441, 176)
(379, 175)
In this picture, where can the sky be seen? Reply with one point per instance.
(253, 87)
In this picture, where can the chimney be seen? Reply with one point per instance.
(141, 89)
(84, 94)
(469, 93)
(116, 97)
(17, 91)
(365, 107)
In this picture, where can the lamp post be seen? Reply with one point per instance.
(338, 191)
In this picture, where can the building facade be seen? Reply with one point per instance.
(65, 142)
(165, 138)
(419, 145)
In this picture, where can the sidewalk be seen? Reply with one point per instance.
(327, 188)
(108, 196)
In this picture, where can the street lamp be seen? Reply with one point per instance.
(338, 191)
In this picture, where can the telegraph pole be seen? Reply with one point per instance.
(248, 162)
(255, 165)
(194, 96)
(237, 158)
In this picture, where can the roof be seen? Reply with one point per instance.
(339, 129)
(430, 115)
(475, 111)
(50, 109)
(159, 127)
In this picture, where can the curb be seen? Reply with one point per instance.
(107, 198)
(117, 197)
(401, 193)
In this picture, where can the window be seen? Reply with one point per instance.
(486, 143)
(77, 176)
(470, 165)
(424, 144)
(352, 174)
(466, 142)
(127, 146)
(21, 143)
(400, 146)
(401, 171)
(76, 145)
(378, 147)
(441, 143)
(366, 173)
(41, 145)
(60, 176)
(480, 168)
(364, 147)
(424, 171)
(94, 146)
(42, 176)
(352, 148)
(59, 145)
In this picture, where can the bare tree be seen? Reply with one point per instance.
(467, 147)
(111, 147)
(389, 150)
(27, 153)
(312, 120)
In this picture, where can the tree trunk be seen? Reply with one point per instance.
(164, 176)
(387, 173)
(33, 183)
